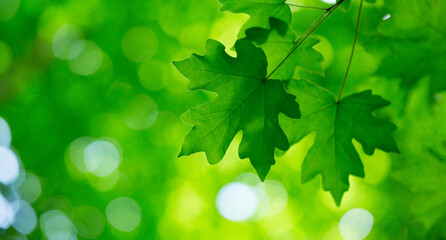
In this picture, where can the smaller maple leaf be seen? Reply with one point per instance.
(259, 11)
(333, 154)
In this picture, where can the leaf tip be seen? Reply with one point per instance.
(337, 197)
(175, 63)
(182, 153)
(178, 65)
(262, 177)
(262, 173)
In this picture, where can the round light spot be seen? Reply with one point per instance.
(6, 213)
(64, 39)
(329, 1)
(140, 112)
(86, 57)
(89, 222)
(5, 57)
(8, 9)
(237, 201)
(25, 217)
(76, 152)
(9, 166)
(278, 196)
(30, 189)
(139, 44)
(387, 16)
(356, 224)
(152, 75)
(57, 226)
(101, 158)
(5, 132)
(124, 214)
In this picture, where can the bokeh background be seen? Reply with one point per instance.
(90, 131)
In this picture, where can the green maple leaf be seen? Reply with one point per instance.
(246, 102)
(277, 42)
(333, 154)
(259, 11)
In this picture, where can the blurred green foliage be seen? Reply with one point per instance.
(92, 102)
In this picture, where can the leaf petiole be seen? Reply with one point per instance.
(307, 33)
(303, 6)
(352, 52)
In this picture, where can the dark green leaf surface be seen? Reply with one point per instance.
(333, 154)
(245, 102)
(259, 11)
(277, 43)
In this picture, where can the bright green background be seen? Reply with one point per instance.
(48, 104)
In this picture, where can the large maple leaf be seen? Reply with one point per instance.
(246, 102)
